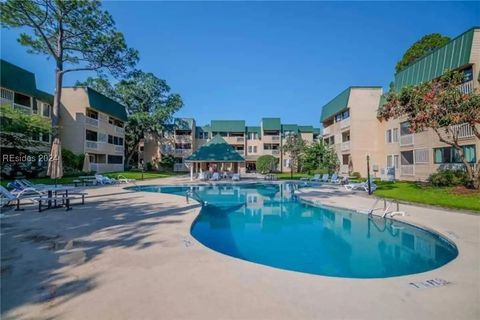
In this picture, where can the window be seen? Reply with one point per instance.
(110, 139)
(395, 135)
(98, 158)
(92, 114)
(22, 99)
(395, 161)
(467, 74)
(46, 110)
(286, 162)
(346, 136)
(115, 159)
(252, 136)
(345, 159)
(388, 136)
(451, 155)
(389, 161)
(102, 137)
(421, 156)
(91, 135)
(46, 137)
(254, 149)
(407, 157)
(342, 116)
(36, 106)
(250, 148)
(405, 128)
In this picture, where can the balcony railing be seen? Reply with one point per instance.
(25, 109)
(344, 169)
(345, 146)
(91, 121)
(406, 140)
(119, 130)
(463, 130)
(119, 149)
(240, 139)
(327, 131)
(466, 87)
(345, 123)
(272, 152)
(182, 152)
(91, 144)
(407, 170)
(180, 167)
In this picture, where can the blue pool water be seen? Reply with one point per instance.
(266, 224)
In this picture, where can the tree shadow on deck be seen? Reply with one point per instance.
(36, 247)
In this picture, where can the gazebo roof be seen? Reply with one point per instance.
(217, 150)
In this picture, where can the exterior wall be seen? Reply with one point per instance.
(74, 123)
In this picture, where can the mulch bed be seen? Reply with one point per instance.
(461, 190)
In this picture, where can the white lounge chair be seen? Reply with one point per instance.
(360, 186)
(29, 184)
(104, 180)
(334, 178)
(26, 194)
(325, 177)
(236, 177)
(316, 177)
(123, 179)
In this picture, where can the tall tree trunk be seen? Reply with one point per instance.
(56, 101)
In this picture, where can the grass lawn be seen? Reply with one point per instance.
(127, 174)
(413, 192)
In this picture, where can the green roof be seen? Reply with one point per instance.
(254, 129)
(453, 55)
(216, 149)
(17, 79)
(104, 104)
(306, 129)
(317, 130)
(228, 125)
(340, 102)
(271, 124)
(289, 127)
(183, 123)
(336, 105)
(44, 97)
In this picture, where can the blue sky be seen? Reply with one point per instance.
(247, 60)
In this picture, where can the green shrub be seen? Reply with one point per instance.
(167, 162)
(322, 171)
(266, 164)
(149, 166)
(356, 175)
(72, 162)
(448, 178)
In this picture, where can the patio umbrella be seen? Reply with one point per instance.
(55, 166)
(86, 163)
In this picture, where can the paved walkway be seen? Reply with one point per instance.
(130, 255)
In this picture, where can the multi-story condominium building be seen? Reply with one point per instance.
(416, 155)
(19, 90)
(93, 123)
(183, 138)
(351, 125)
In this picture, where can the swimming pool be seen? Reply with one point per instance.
(267, 224)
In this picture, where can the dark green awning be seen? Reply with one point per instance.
(216, 150)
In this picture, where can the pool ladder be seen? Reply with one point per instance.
(385, 210)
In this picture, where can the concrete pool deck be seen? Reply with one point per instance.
(130, 255)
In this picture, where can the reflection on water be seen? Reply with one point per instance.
(265, 223)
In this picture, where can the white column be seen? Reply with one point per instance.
(191, 171)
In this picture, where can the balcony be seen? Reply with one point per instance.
(119, 149)
(182, 152)
(407, 170)
(91, 121)
(272, 152)
(25, 109)
(91, 145)
(180, 167)
(240, 139)
(119, 130)
(463, 131)
(466, 87)
(327, 131)
(183, 138)
(345, 123)
(271, 138)
(406, 140)
(345, 146)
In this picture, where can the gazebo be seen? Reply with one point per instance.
(215, 155)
